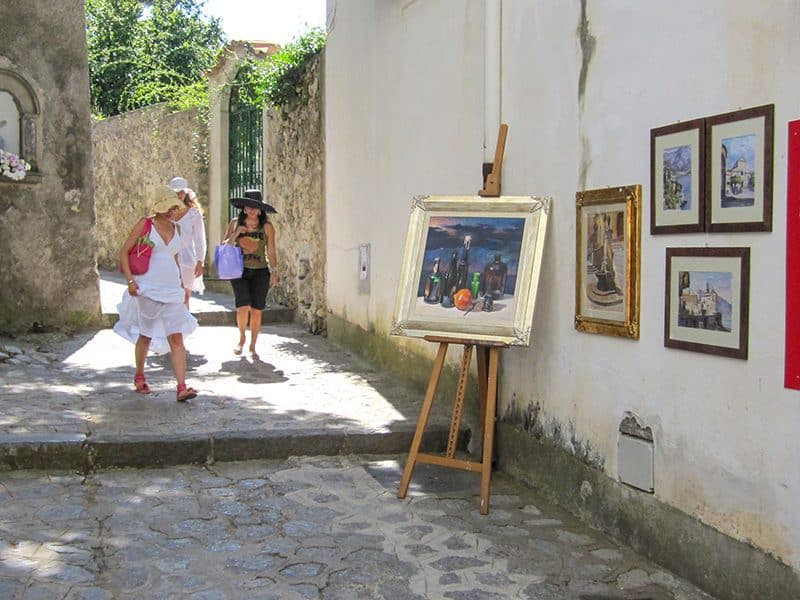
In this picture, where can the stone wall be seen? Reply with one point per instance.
(48, 276)
(134, 152)
(293, 175)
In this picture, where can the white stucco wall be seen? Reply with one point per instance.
(405, 99)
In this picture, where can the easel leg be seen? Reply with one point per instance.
(423, 420)
(482, 355)
(488, 428)
(458, 407)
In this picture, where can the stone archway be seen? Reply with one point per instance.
(220, 78)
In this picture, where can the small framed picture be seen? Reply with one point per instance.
(677, 178)
(739, 173)
(707, 300)
(608, 242)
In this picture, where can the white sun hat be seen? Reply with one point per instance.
(178, 183)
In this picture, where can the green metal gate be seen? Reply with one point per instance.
(245, 161)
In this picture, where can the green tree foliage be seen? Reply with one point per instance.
(277, 81)
(147, 51)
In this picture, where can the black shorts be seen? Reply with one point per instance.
(251, 288)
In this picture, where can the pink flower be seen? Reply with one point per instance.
(12, 166)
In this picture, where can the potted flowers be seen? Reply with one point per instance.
(12, 166)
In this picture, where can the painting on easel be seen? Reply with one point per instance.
(471, 267)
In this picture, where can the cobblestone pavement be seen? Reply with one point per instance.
(78, 392)
(323, 522)
(310, 528)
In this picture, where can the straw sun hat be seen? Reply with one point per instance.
(162, 199)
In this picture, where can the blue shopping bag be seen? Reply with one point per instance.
(229, 261)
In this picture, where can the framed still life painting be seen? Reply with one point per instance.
(707, 300)
(471, 268)
(739, 173)
(677, 182)
(608, 236)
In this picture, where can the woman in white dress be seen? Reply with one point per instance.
(189, 218)
(153, 314)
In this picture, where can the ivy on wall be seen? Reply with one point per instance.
(278, 81)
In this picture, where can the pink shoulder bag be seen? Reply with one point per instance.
(139, 254)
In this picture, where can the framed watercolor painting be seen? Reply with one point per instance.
(707, 300)
(471, 268)
(608, 237)
(677, 178)
(739, 174)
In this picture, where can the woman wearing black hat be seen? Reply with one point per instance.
(255, 235)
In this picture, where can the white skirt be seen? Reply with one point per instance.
(139, 315)
(195, 284)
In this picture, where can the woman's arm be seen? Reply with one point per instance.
(124, 265)
(230, 238)
(200, 245)
(272, 254)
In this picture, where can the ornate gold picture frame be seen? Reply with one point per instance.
(608, 247)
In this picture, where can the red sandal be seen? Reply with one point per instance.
(140, 384)
(185, 393)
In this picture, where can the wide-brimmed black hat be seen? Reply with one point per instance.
(253, 199)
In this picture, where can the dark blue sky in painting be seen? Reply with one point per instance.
(490, 236)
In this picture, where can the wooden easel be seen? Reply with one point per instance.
(488, 355)
(491, 185)
(487, 398)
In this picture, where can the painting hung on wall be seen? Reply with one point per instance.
(608, 236)
(707, 300)
(677, 183)
(471, 268)
(739, 173)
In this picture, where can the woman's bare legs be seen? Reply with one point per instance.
(140, 353)
(255, 327)
(242, 314)
(177, 353)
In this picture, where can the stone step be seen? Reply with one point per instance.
(271, 314)
(84, 453)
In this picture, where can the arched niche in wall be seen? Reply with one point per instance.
(19, 117)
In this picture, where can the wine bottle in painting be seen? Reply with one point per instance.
(429, 295)
(494, 276)
(463, 265)
(450, 278)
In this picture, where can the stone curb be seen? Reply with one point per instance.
(222, 318)
(85, 453)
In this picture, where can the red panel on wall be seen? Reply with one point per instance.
(792, 366)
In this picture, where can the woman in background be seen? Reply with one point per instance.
(189, 218)
(255, 235)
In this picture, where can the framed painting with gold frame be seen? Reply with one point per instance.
(471, 268)
(607, 283)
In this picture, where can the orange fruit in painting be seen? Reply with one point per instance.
(462, 299)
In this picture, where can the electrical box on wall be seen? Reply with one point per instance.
(363, 268)
(636, 462)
